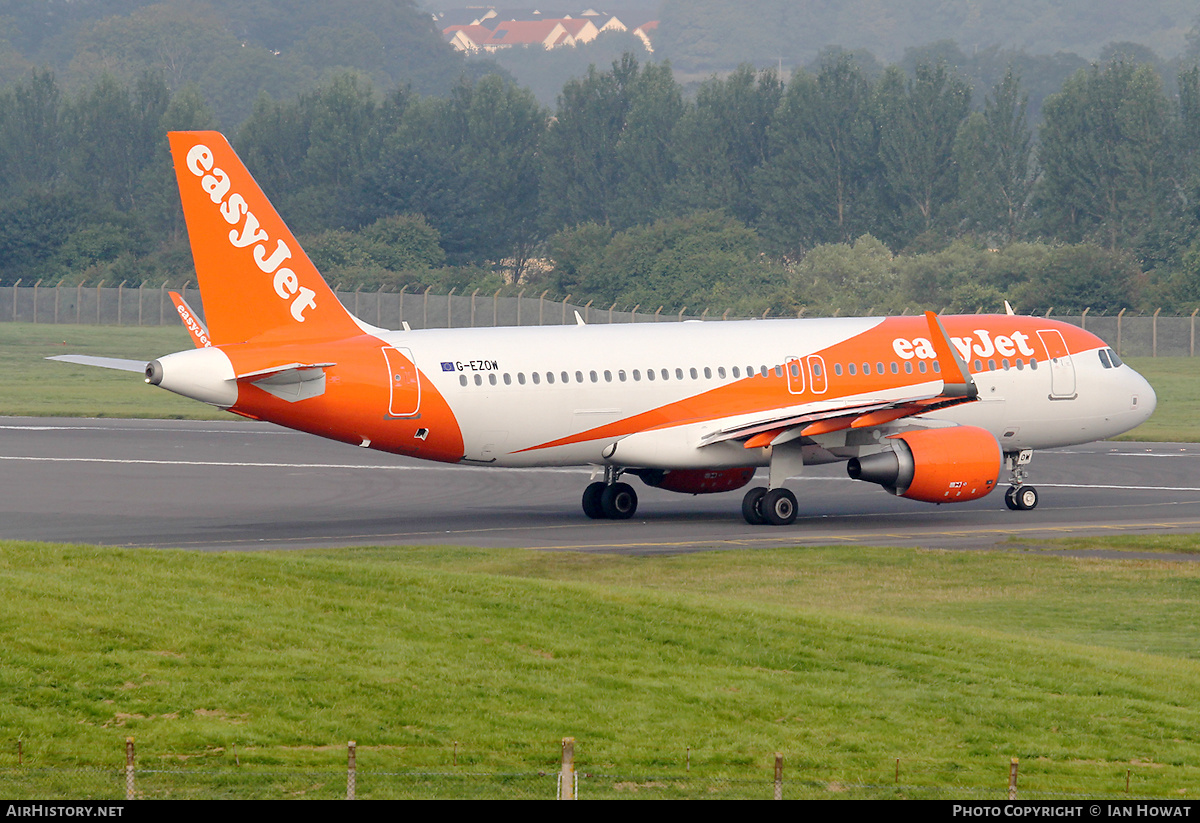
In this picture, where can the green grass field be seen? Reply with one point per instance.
(841, 659)
(37, 387)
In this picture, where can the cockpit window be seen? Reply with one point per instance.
(1112, 355)
(1104, 361)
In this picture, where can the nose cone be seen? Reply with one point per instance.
(1143, 400)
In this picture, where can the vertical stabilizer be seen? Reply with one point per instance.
(255, 279)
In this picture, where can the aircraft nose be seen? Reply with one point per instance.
(1143, 400)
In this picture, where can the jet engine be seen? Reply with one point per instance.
(949, 465)
(695, 481)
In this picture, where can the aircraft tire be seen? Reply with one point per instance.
(752, 506)
(619, 501)
(1010, 498)
(1026, 498)
(779, 507)
(591, 501)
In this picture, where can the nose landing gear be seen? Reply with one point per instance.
(1019, 497)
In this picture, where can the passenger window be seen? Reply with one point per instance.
(837, 369)
(649, 374)
(566, 378)
(537, 378)
(679, 374)
(637, 375)
(991, 365)
(666, 375)
(492, 378)
(978, 366)
(721, 372)
(908, 367)
(693, 373)
(578, 377)
(621, 375)
(851, 368)
(507, 379)
(462, 380)
(550, 377)
(707, 373)
(478, 380)
(521, 377)
(895, 368)
(937, 366)
(921, 367)
(607, 376)
(594, 376)
(1033, 363)
(879, 368)
(866, 368)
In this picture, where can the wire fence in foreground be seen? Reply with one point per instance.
(246, 782)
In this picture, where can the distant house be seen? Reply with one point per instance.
(489, 30)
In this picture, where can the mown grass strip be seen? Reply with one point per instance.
(843, 659)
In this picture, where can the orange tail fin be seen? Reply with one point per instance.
(255, 279)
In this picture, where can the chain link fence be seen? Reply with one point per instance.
(1153, 335)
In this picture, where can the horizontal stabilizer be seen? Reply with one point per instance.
(138, 366)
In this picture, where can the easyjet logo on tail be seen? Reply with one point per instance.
(235, 210)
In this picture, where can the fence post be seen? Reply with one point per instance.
(1120, 315)
(78, 302)
(587, 313)
(681, 311)
(542, 307)
(35, 298)
(633, 314)
(657, 314)
(566, 776)
(1154, 334)
(351, 770)
(1192, 346)
(496, 307)
(1083, 318)
(1012, 779)
(425, 308)
(449, 301)
(564, 313)
(15, 299)
(779, 775)
(520, 300)
(129, 787)
(401, 318)
(473, 307)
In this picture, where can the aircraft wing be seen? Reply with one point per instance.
(956, 386)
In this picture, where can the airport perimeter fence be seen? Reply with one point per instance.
(912, 778)
(1132, 335)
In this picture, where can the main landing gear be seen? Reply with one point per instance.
(610, 499)
(774, 506)
(1019, 497)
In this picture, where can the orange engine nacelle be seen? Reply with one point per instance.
(696, 481)
(935, 465)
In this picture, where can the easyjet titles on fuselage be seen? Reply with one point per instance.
(1005, 345)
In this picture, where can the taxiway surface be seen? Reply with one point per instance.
(241, 485)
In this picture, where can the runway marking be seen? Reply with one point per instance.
(240, 465)
(461, 467)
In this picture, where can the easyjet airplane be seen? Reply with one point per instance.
(931, 408)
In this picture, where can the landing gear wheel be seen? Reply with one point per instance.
(779, 507)
(1026, 498)
(1021, 498)
(591, 500)
(752, 506)
(618, 501)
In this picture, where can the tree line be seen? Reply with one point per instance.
(838, 189)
